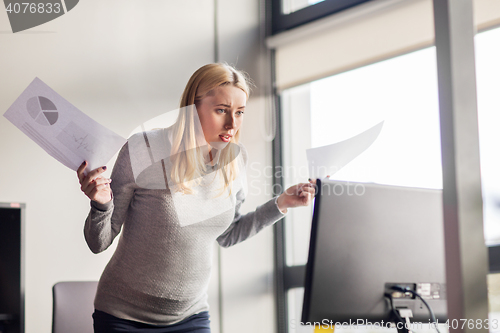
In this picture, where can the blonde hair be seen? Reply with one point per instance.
(187, 159)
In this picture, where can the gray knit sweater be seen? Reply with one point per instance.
(160, 271)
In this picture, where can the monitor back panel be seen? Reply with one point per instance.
(366, 235)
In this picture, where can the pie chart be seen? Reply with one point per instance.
(42, 110)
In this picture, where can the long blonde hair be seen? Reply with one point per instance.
(186, 157)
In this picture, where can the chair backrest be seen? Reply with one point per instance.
(73, 305)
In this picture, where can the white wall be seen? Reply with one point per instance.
(121, 62)
(247, 269)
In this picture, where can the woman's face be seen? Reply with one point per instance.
(221, 114)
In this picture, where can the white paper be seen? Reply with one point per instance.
(63, 131)
(327, 160)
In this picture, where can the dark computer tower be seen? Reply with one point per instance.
(12, 267)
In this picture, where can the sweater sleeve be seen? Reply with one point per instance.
(104, 221)
(246, 226)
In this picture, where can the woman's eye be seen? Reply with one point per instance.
(221, 111)
(240, 113)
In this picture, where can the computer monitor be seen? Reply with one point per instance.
(366, 237)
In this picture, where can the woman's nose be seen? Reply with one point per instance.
(229, 122)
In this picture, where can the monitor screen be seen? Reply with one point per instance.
(366, 237)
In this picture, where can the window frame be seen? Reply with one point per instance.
(494, 258)
(282, 22)
(290, 277)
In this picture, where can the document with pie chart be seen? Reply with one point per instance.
(63, 131)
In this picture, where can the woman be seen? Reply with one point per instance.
(174, 210)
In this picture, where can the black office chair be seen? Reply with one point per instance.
(73, 305)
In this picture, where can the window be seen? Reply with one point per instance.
(289, 14)
(290, 6)
(403, 93)
(488, 88)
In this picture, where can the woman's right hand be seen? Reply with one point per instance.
(94, 185)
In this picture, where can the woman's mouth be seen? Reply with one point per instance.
(225, 138)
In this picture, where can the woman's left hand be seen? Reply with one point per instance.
(297, 195)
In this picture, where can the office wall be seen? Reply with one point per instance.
(121, 62)
(247, 268)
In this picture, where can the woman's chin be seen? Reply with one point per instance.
(219, 145)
